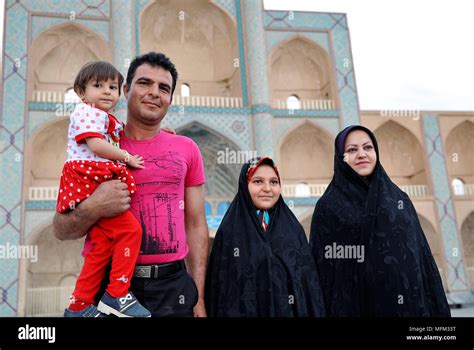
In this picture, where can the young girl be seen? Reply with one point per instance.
(94, 156)
(261, 264)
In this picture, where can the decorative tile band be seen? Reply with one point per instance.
(456, 274)
(314, 113)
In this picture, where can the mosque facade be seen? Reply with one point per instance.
(251, 82)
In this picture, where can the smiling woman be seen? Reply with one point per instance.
(260, 265)
(393, 273)
(359, 153)
(264, 185)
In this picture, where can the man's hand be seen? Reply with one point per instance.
(200, 309)
(110, 199)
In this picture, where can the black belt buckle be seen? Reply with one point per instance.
(143, 271)
(158, 270)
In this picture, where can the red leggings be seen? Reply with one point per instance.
(117, 239)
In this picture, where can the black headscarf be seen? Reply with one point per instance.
(257, 273)
(398, 275)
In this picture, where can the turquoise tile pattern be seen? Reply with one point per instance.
(456, 274)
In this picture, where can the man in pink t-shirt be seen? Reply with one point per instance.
(168, 203)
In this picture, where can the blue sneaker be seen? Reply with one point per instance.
(90, 311)
(126, 306)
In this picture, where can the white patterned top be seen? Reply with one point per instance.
(87, 121)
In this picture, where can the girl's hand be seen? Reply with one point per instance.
(135, 161)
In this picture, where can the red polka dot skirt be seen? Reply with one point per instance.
(80, 178)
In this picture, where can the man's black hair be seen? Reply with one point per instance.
(154, 59)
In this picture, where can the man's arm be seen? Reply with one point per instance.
(110, 199)
(197, 237)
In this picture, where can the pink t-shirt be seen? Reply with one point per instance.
(172, 163)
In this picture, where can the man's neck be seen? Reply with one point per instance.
(140, 132)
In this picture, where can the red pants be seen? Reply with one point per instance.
(118, 238)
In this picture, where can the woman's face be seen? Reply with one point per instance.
(359, 152)
(264, 187)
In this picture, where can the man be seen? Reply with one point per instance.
(169, 202)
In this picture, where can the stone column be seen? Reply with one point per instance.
(257, 73)
(457, 278)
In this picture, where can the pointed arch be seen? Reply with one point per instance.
(305, 221)
(435, 242)
(401, 154)
(46, 152)
(200, 38)
(57, 54)
(299, 66)
(467, 237)
(222, 161)
(459, 152)
(305, 154)
(59, 263)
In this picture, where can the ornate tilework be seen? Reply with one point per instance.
(122, 36)
(456, 274)
(228, 5)
(220, 123)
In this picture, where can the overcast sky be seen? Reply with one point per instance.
(408, 54)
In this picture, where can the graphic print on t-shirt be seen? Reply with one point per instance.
(158, 204)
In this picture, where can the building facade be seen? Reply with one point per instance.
(276, 83)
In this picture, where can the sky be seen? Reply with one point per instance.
(408, 54)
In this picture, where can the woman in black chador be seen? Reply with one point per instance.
(261, 264)
(372, 256)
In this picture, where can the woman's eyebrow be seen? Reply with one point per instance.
(356, 145)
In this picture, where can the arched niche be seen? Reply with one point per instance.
(459, 152)
(46, 154)
(221, 158)
(301, 67)
(401, 154)
(306, 155)
(57, 54)
(467, 236)
(201, 40)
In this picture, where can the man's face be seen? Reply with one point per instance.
(149, 95)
